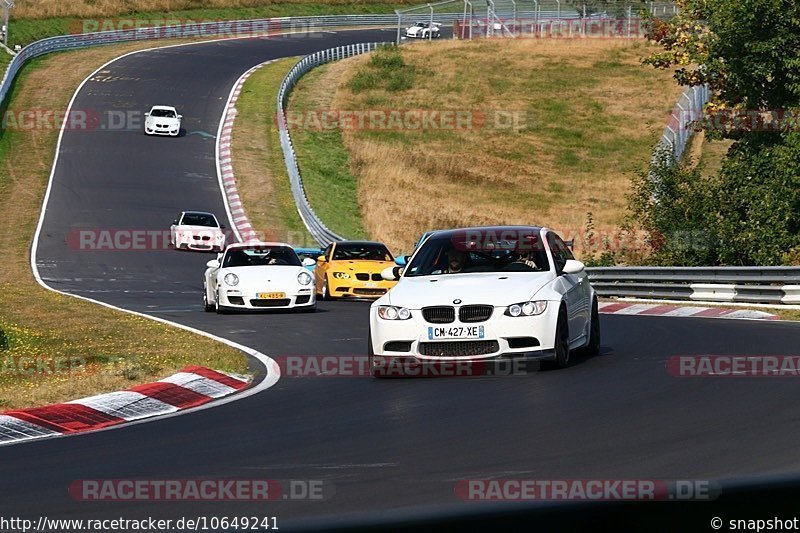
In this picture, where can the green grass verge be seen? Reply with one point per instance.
(25, 31)
(331, 188)
(257, 151)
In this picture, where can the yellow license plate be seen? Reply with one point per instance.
(271, 295)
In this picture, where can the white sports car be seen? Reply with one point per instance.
(423, 30)
(263, 275)
(162, 120)
(484, 294)
(196, 230)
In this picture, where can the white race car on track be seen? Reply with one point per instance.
(263, 275)
(162, 120)
(423, 30)
(484, 294)
(196, 230)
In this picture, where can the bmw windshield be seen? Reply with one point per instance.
(460, 253)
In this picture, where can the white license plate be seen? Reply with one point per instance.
(455, 332)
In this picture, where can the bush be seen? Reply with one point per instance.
(748, 215)
(386, 69)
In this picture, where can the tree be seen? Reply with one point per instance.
(748, 52)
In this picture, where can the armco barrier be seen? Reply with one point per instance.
(762, 285)
(315, 226)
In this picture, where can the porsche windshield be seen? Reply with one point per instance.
(451, 254)
(261, 256)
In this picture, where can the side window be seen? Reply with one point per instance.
(328, 251)
(560, 251)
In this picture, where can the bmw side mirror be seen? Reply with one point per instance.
(307, 262)
(222, 226)
(213, 264)
(175, 222)
(180, 116)
(391, 273)
(573, 267)
(321, 259)
(147, 113)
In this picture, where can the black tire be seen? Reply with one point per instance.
(207, 307)
(562, 342)
(326, 295)
(593, 347)
(218, 308)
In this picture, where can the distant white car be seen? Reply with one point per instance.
(262, 275)
(197, 230)
(479, 294)
(162, 120)
(423, 30)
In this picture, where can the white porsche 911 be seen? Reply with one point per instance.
(197, 230)
(162, 120)
(424, 30)
(262, 275)
(484, 294)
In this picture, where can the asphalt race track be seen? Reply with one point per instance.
(379, 444)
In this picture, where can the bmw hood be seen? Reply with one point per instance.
(498, 289)
(199, 230)
(362, 265)
(265, 275)
(165, 121)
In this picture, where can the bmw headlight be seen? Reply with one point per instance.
(304, 278)
(231, 279)
(391, 312)
(341, 275)
(527, 308)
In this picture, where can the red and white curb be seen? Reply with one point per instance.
(238, 216)
(191, 387)
(619, 308)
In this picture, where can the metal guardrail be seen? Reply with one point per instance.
(764, 285)
(315, 226)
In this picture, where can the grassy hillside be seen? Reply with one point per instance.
(549, 131)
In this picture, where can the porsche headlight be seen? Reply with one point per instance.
(304, 278)
(231, 279)
(341, 275)
(527, 308)
(391, 312)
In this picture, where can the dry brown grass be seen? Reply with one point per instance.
(707, 154)
(39, 9)
(43, 325)
(592, 115)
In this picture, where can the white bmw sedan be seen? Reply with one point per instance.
(262, 275)
(483, 294)
(197, 230)
(162, 120)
